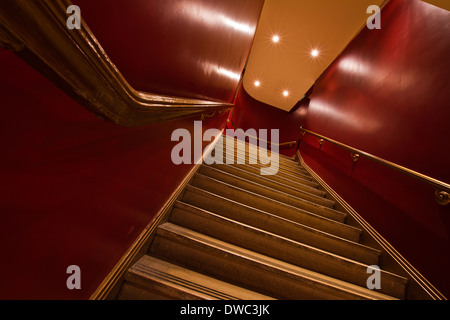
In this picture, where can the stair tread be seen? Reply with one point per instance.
(279, 247)
(311, 200)
(301, 213)
(248, 146)
(280, 225)
(258, 230)
(150, 269)
(274, 266)
(241, 171)
(296, 170)
(282, 178)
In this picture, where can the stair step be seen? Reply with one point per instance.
(297, 170)
(152, 278)
(240, 146)
(270, 169)
(288, 196)
(256, 154)
(279, 208)
(249, 186)
(238, 232)
(241, 143)
(279, 225)
(265, 180)
(295, 182)
(280, 248)
(251, 270)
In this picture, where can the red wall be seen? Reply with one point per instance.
(388, 94)
(251, 113)
(78, 190)
(74, 188)
(181, 48)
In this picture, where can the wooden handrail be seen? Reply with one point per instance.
(442, 189)
(77, 63)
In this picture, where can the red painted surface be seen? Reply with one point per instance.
(251, 113)
(191, 48)
(74, 188)
(388, 94)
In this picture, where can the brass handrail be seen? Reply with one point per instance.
(442, 189)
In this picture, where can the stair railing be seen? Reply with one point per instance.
(442, 192)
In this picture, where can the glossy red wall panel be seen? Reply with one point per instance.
(189, 48)
(388, 94)
(250, 113)
(74, 189)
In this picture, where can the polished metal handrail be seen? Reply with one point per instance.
(442, 189)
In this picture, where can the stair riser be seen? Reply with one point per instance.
(151, 278)
(296, 183)
(279, 248)
(248, 159)
(277, 194)
(240, 270)
(156, 290)
(256, 151)
(256, 159)
(278, 208)
(246, 174)
(283, 227)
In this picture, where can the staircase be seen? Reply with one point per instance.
(237, 234)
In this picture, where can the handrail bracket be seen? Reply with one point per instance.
(442, 197)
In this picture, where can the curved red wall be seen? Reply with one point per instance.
(79, 190)
(388, 94)
(75, 189)
(194, 48)
(251, 113)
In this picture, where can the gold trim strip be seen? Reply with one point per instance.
(434, 293)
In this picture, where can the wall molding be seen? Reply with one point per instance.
(75, 61)
(112, 283)
(413, 274)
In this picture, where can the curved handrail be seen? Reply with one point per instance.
(442, 188)
(76, 62)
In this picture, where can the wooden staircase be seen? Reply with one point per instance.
(237, 234)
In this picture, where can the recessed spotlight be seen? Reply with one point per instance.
(275, 38)
(315, 53)
(257, 83)
(285, 93)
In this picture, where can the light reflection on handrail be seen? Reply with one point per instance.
(442, 189)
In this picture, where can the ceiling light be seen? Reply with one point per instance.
(285, 93)
(257, 83)
(315, 53)
(275, 38)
